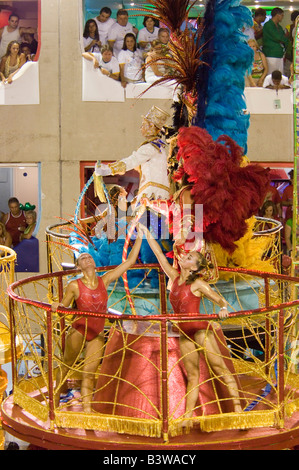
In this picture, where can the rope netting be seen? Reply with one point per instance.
(141, 385)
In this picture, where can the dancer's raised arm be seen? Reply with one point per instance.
(171, 272)
(117, 272)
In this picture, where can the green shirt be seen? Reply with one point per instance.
(274, 40)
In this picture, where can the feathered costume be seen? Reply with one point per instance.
(220, 86)
(230, 193)
(210, 66)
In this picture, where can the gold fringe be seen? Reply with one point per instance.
(2, 440)
(119, 424)
(30, 404)
(226, 421)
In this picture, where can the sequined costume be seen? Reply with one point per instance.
(94, 300)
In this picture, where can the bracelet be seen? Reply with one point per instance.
(223, 308)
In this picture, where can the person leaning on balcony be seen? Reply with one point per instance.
(105, 61)
(11, 63)
(276, 81)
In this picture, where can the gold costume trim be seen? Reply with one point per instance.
(117, 167)
(156, 185)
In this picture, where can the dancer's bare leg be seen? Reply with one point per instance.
(190, 356)
(73, 347)
(93, 355)
(207, 340)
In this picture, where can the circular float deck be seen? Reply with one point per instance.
(25, 427)
(272, 423)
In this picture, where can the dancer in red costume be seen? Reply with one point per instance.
(199, 336)
(90, 294)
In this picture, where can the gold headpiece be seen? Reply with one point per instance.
(157, 116)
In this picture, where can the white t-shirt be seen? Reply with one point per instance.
(87, 41)
(133, 62)
(103, 29)
(7, 37)
(145, 35)
(268, 81)
(117, 33)
(112, 66)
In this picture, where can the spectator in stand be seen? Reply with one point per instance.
(105, 61)
(5, 238)
(290, 29)
(118, 31)
(163, 36)
(275, 41)
(156, 67)
(25, 48)
(130, 61)
(259, 18)
(11, 63)
(14, 220)
(259, 67)
(91, 38)
(30, 39)
(12, 32)
(27, 232)
(287, 198)
(268, 210)
(104, 23)
(276, 81)
(288, 229)
(147, 34)
(274, 196)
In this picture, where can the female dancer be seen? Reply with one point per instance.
(90, 294)
(201, 335)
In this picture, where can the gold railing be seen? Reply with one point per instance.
(140, 386)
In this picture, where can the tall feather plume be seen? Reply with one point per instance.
(207, 57)
(172, 13)
(232, 57)
(185, 58)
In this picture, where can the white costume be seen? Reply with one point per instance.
(151, 158)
